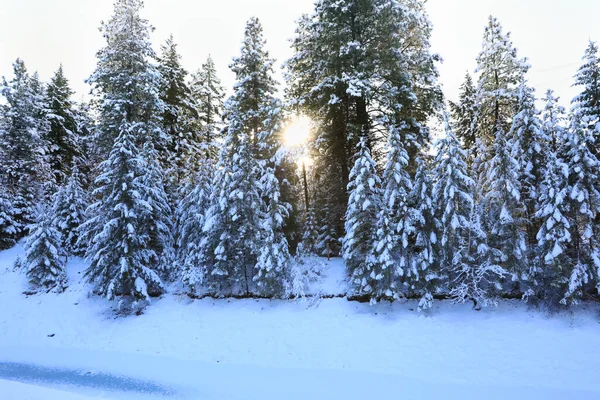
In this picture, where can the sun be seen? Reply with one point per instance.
(297, 132)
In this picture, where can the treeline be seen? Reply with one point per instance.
(159, 179)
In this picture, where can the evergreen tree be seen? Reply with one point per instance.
(310, 234)
(502, 208)
(122, 258)
(69, 210)
(44, 262)
(128, 244)
(9, 228)
(246, 217)
(464, 113)
(179, 117)
(125, 80)
(209, 95)
(462, 252)
(62, 136)
(422, 277)
(587, 103)
(393, 227)
(500, 73)
(348, 76)
(192, 213)
(361, 220)
(23, 168)
(531, 146)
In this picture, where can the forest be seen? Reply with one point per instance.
(160, 178)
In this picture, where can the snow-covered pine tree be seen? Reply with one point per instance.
(44, 256)
(393, 228)
(500, 73)
(251, 246)
(310, 234)
(8, 226)
(587, 103)
(554, 236)
(69, 212)
(361, 221)
(461, 252)
(531, 146)
(584, 195)
(126, 224)
(348, 76)
(423, 275)
(125, 79)
(191, 214)
(122, 261)
(23, 168)
(553, 121)
(503, 209)
(158, 216)
(464, 113)
(180, 119)
(62, 137)
(209, 95)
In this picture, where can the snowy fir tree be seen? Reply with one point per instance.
(209, 95)
(391, 256)
(44, 255)
(125, 80)
(23, 167)
(462, 252)
(69, 211)
(310, 234)
(503, 209)
(9, 228)
(122, 259)
(348, 77)
(62, 137)
(500, 72)
(192, 213)
(179, 118)
(361, 220)
(531, 145)
(587, 103)
(246, 217)
(422, 276)
(464, 113)
(127, 245)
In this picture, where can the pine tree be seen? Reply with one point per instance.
(126, 80)
(462, 252)
(9, 227)
(348, 76)
(503, 209)
(192, 213)
(44, 261)
(310, 234)
(423, 276)
(584, 195)
(587, 103)
(127, 226)
(69, 210)
(500, 73)
(62, 136)
(554, 236)
(464, 113)
(120, 254)
(246, 216)
(361, 220)
(23, 168)
(393, 226)
(179, 117)
(209, 95)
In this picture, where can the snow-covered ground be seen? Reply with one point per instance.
(55, 344)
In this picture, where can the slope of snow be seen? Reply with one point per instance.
(259, 349)
(21, 391)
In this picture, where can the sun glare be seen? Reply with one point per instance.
(297, 132)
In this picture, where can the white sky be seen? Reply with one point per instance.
(552, 33)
